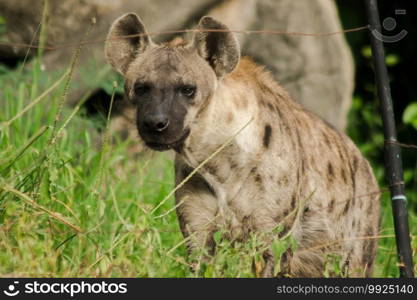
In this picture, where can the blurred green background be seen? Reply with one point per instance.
(365, 126)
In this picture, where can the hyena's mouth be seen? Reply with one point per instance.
(166, 146)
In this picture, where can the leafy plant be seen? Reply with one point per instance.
(410, 115)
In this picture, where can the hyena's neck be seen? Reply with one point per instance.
(230, 118)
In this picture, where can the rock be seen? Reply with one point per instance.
(317, 71)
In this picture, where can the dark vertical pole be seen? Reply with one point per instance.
(393, 161)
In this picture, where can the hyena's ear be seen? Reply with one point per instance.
(120, 50)
(216, 44)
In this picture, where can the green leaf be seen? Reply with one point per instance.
(2, 25)
(209, 271)
(410, 115)
(392, 60)
(408, 176)
(366, 51)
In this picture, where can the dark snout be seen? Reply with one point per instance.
(157, 122)
(160, 118)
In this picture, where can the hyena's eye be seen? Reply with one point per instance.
(142, 89)
(187, 90)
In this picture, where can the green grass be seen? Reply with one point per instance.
(72, 204)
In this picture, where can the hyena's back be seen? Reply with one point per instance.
(312, 179)
(325, 176)
(341, 212)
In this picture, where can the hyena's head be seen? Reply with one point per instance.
(172, 82)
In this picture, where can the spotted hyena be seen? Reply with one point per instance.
(282, 165)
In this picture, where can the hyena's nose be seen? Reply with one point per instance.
(158, 122)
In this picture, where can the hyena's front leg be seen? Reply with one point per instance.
(269, 259)
(196, 210)
(264, 225)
